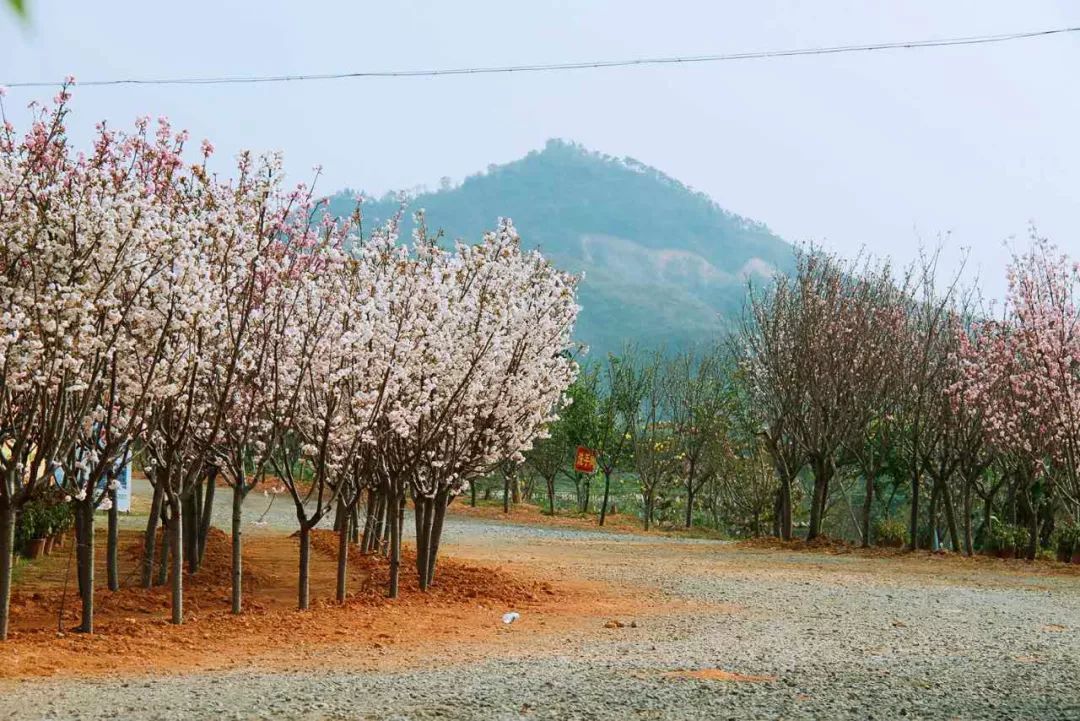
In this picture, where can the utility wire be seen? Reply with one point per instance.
(555, 67)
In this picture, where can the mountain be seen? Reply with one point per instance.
(664, 265)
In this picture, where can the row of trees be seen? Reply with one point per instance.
(232, 330)
(851, 394)
(909, 387)
(677, 425)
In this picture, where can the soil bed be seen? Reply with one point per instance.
(132, 633)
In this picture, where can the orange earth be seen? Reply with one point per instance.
(133, 635)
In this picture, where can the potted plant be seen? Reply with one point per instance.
(34, 522)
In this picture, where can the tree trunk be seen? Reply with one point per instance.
(506, 493)
(648, 510)
(424, 537)
(935, 494)
(339, 514)
(206, 514)
(354, 523)
(150, 539)
(422, 516)
(237, 547)
(303, 591)
(867, 510)
(190, 529)
(442, 500)
(817, 503)
(113, 566)
(913, 529)
(950, 518)
(176, 525)
(395, 545)
(551, 495)
(86, 508)
(785, 507)
(515, 488)
(472, 491)
(1032, 549)
(988, 519)
(386, 521)
(969, 543)
(368, 540)
(607, 490)
(7, 551)
(80, 548)
(343, 556)
(778, 511)
(163, 562)
(690, 505)
(690, 495)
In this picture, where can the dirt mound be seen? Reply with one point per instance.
(455, 581)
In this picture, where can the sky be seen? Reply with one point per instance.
(963, 147)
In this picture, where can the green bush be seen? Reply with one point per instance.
(1003, 536)
(1066, 540)
(61, 517)
(891, 532)
(1009, 538)
(1021, 538)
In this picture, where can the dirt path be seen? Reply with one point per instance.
(673, 629)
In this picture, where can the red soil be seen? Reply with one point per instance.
(133, 635)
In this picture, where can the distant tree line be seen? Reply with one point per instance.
(885, 407)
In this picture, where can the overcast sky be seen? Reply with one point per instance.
(883, 150)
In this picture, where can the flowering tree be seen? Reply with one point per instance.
(481, 371)
(228, 326)
(89, 259)
(1021, 376)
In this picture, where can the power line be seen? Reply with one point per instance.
(556, 67)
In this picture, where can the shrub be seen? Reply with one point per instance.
(1021, 538)
(890, 532)
(61, 517)
(1005, 536)
(1066, 540)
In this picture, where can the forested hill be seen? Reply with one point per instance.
(664, 264)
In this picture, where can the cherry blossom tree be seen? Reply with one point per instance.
(89, 253)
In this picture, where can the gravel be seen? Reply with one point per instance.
(844, 637)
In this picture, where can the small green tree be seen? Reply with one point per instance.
(701, 403)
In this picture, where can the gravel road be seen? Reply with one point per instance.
(843, 637)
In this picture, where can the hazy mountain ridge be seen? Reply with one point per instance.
(663, 264)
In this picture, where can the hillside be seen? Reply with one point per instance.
(664, 265)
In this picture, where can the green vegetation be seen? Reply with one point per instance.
(664, 266)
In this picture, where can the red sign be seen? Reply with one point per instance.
(585, 460)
